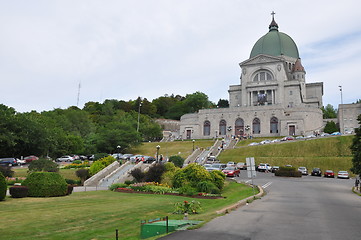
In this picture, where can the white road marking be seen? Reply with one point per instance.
(267, 185)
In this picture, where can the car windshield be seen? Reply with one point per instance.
(342, 172)
(229, 168)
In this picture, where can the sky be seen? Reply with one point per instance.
(57, 54)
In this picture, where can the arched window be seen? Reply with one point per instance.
(263, 75)
(239, 127)
(207, 128)
(274, 125)
(222, 127)
(256, 126)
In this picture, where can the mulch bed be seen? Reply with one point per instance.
(174, 194)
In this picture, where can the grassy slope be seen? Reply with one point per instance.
(326, 153)
(96, 215)
(182, 148)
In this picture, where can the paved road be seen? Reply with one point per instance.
(305, 208)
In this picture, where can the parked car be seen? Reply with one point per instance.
(316, 172)
(148, 159)
(31, 158)
(127, 156)
(66, 158)
(241, 165)
(329, 173)
(264, 167)
(136, 158)
(117, 155)
(21, 161)
(335, 134)
(231, 164)
(303, 170)
(275, 169)
(8, 162)
(343, 174)
(288, 138)
(212, 160)
(217, 166)
(231, 171)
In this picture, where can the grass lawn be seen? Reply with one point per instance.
(182, 148)
(66, 173)
(96, 215)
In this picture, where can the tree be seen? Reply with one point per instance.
(83, 174)
(329, 112)
(356, 149)
(223, 103)
(177, 160)
(43, 165)
(330, 127)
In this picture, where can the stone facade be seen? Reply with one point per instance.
(272, 99)
(347, 117)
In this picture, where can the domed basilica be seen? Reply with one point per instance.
(272, 99)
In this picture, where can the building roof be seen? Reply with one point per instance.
(275, 43)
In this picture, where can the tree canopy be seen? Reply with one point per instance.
(356, 149)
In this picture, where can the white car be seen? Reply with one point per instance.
(343, 174)
(231, 164)
(65, 158)
(264, 167)
(21, 161)
(303, 170)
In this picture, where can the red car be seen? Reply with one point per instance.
(231, 171)
(31, 158)
(329, 173)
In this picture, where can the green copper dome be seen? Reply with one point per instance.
(275, 43)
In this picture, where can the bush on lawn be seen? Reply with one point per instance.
(187, 190)
(45, 184)
(192, 175)
(137, 174)
(43, 165)
(207, 187)
(70, 189)
(177, 160)
(83, 174)
(19, 191)
(154, 174)
(218, 178)
(6, 171)
(3, 187)
(288, 172)
(101, 164)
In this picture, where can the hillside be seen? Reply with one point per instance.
(327, 153)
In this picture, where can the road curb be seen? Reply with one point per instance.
(241, 202)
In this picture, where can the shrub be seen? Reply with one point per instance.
(137, 174)
(77, 162)
(83, 174)
(99, 156)
(128, 182)
(100, 165)
(45, 184)
(43, 165)
(187, 207)
(207, 187)
(3, 187)
(72, 181)
(157, 189)
(170, 167)
(191, 174)
(218, 178)
(167, 178)
(154, 173)
(177, 160)
(288, 172)
(117, 185)
(6, 171)
(70, 189)
(19, 191)
(187, 190)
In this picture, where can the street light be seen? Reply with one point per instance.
(118, 148)
(341, 114)
(193, 144)
(158, 147)
(140, 104)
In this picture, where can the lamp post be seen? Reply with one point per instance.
(158, 147)
(193, 144)
(118, 148)
(140, 104)
(341, 113)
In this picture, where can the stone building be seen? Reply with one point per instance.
(347, 117)
(272, 99)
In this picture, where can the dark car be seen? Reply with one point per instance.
(8, 162)
(316, 172)
(148, 159)
(275, 169)
(329, 173)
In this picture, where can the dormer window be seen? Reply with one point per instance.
(263, 76)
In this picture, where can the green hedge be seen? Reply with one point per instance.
(46, 184)
(3, 187)
(19, 191)
(288, 172)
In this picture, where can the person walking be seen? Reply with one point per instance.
(357, 182)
